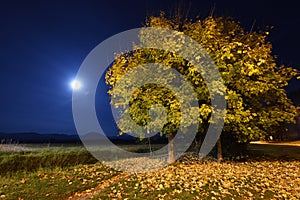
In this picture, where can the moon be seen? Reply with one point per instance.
(76, 85)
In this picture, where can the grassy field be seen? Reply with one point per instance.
(72, 173)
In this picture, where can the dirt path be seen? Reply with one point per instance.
(293, 143)
(87, 194)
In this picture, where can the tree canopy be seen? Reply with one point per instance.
(257, 103)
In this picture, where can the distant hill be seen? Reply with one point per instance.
(29, 137)
(92, 137)
(98, 138)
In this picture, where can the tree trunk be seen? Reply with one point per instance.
(198, 145)
(171, 148)
(219, 149)
(198, 142)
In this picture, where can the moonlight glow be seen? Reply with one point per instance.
(76, 85)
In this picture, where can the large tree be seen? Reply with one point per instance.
(257, 103)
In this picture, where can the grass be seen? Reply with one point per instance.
(32, 157)
(11, 162)
(53, 184)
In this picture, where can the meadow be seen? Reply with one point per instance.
(70, 172)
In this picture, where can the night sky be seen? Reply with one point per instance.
(43, 43)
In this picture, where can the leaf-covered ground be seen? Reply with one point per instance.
(210, 180)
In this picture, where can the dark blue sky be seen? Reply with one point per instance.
(43, 43)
